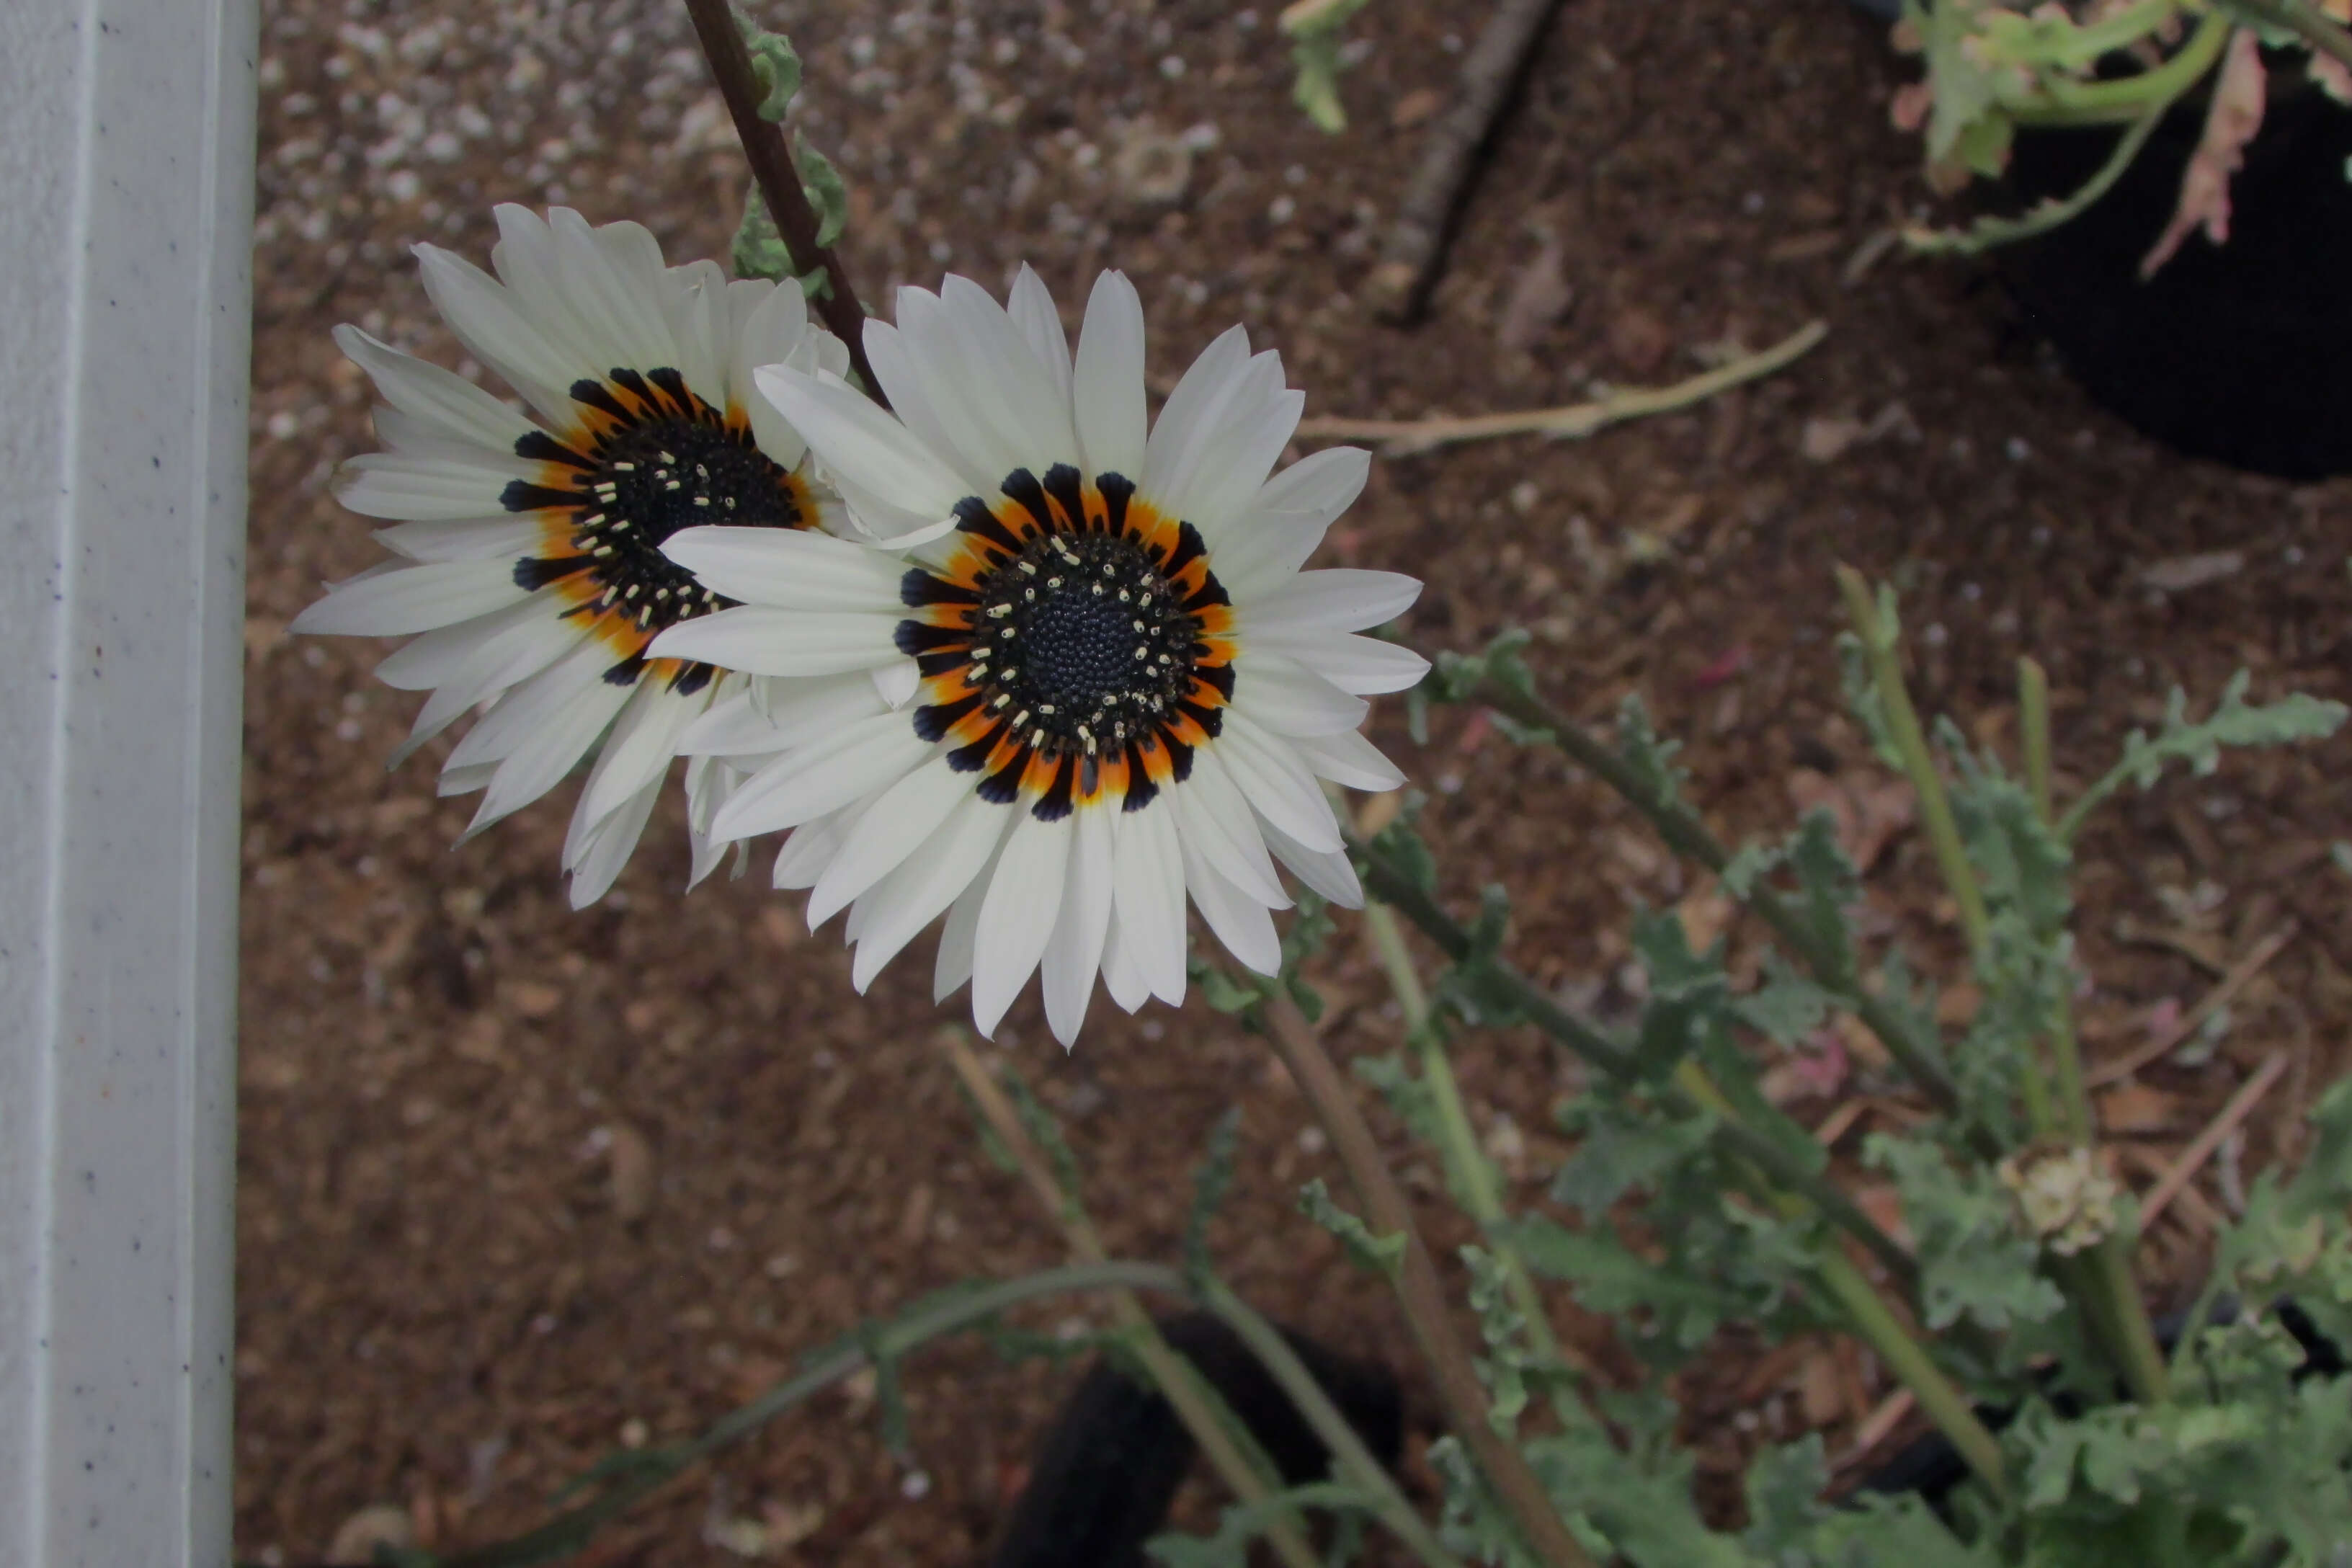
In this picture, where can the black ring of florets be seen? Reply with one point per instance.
(1080, 639)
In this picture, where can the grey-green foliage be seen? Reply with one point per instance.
(1315, 54)
(759, 250)
(2234, 722)
(1372, 1253)
(1242, 1523)
(1827, 884)
(1974, 1259)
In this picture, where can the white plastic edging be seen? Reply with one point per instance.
(126, 196)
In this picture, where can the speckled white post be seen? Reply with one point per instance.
(126, 194)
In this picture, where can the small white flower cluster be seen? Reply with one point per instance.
(2067, 1202)
(1009, 654)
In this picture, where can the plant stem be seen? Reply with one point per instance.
(1910, 1362)
(1688, 836)
(1515, 1485)
(1465, 1163)
(1248, 1474)
(2323, 33)
(2033, 720)
(780, 181)
(2143, 1358)
(1382, 880)
(1911, 743)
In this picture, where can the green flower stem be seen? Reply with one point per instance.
(2033, 720)
(1385, 882)
(950, 1312)
(2128, 97)
(1688, 836)
(1909, 1361)
(1245, 1469)
(1466, 1164)
(2143, 1359)
(2300, 18)
(1419, 1292)
(1911, 742)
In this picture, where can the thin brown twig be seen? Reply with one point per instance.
(780, 181)
(2229, 984)
(1399, 285)
(2241, 1104)
(1401, 437)
(1514, 1484)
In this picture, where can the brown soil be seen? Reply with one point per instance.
(519, 1184)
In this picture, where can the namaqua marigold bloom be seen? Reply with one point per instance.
(527, 549)
(1120, 688)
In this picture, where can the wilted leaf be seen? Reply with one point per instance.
(2235, 114)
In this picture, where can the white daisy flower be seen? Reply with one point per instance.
(1128, 687)
(528, 561)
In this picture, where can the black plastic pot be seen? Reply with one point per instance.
(1106, 1473)
(2241, 352)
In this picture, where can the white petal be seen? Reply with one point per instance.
(694, 301)
(1121, 978)
(608, 846)
(548, 751)
(1276, 781)
(951, 969)
(792, 568)
(405, 487)
(1149, 901)
(1213, 817)
(772, 334)
(1349, 759)
(443, 399)
(413, 599)
(535, 704)
(897, 684)
(523, 641)
(864, 757)
(1342, 599)
(509, 537)
(1366, 666)
(912, 896)
(1024, 900)
(1031, 306)
(1018, 394)
(615, 273)
(1212, 475)
(807, 851)
(1239, 921)
(1285, 697)
(430, 658)
(1329, 872)
(759, 639)
(855, 439)
(886, 834)
(638, 753)
(482, 314)
(1107, 382)
(1075, 952)
(1292, 513)
(737, 726)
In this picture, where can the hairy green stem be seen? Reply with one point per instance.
(2299, 17)
(1909, 1361)
(1515, 1485)
(2143, 1358)
(1688, 836)
(1465, 1163)
(1387, 883)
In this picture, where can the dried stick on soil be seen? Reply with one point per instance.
(2159, 1198)
(1400, 438)
(779, 181)
(2229, 984)
(1399, 285)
